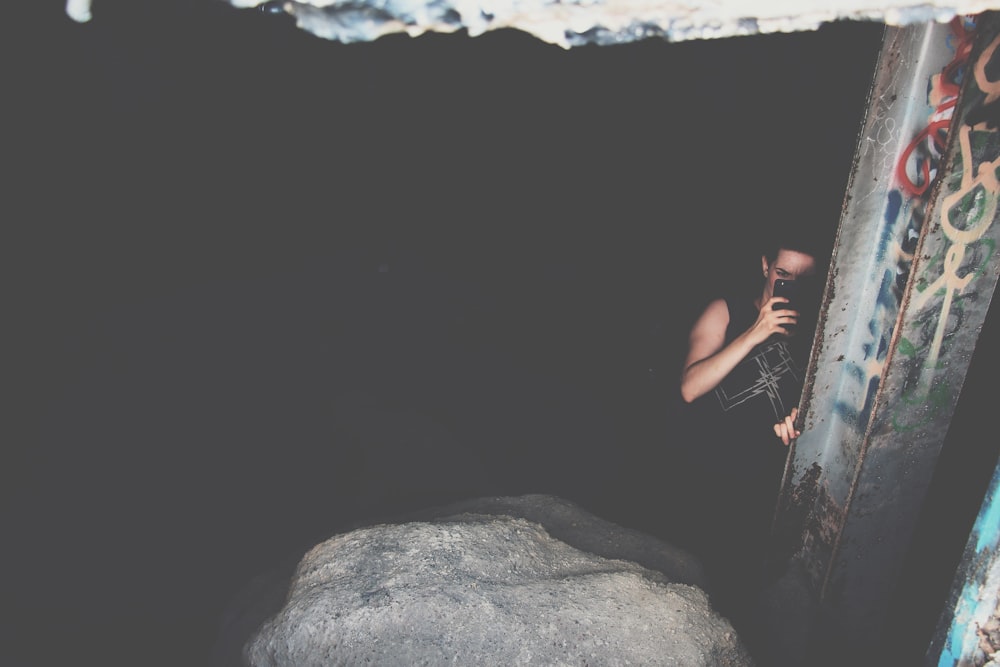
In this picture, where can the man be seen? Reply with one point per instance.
(731, 335)
(740, 385)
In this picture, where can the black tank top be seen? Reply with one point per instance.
(765, 386)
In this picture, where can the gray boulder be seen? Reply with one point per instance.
(570, 523)
(489, 588)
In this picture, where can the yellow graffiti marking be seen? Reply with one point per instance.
(988, 186)
(991, 88)
(973, 205)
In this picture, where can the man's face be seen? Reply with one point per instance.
(788, 265)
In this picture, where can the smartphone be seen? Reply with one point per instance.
(787, 289)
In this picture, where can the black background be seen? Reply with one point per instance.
(262, 287)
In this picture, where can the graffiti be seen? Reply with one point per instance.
(971, 630)
(964, 214)
(904, 214)
(885, 135)
(868, 373)
(968, 208)
(925, 150)
(986, 110)
(923, 289)
(923, 154)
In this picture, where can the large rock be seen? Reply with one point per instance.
(486, 589)
(570, 523)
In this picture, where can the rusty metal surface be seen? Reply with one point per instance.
(911, 280)
(954, 277)
(874, 246)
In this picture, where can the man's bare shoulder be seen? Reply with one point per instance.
(716, 310)
(712, 322)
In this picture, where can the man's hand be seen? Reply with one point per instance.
(785, 429)
(771, 321)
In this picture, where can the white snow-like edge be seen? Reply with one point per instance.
(570, 23)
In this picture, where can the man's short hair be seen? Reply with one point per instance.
(802, 238)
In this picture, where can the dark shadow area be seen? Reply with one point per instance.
(264, 287)
(954, 498)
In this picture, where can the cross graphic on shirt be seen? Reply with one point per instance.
(757, 375)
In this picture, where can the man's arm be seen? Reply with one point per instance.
(709, 361)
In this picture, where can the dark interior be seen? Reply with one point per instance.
(264, 288)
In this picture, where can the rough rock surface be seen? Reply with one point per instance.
(570, 523)
(486, 589)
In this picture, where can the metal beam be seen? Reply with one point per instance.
(911, 279)
(968, 626)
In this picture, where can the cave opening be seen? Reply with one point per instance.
(274, 285)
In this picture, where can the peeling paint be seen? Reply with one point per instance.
(79, 10)
(822, 530)
(793, 512)
(574, 23)
(964, 633)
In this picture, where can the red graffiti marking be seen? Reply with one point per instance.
(945, 91)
